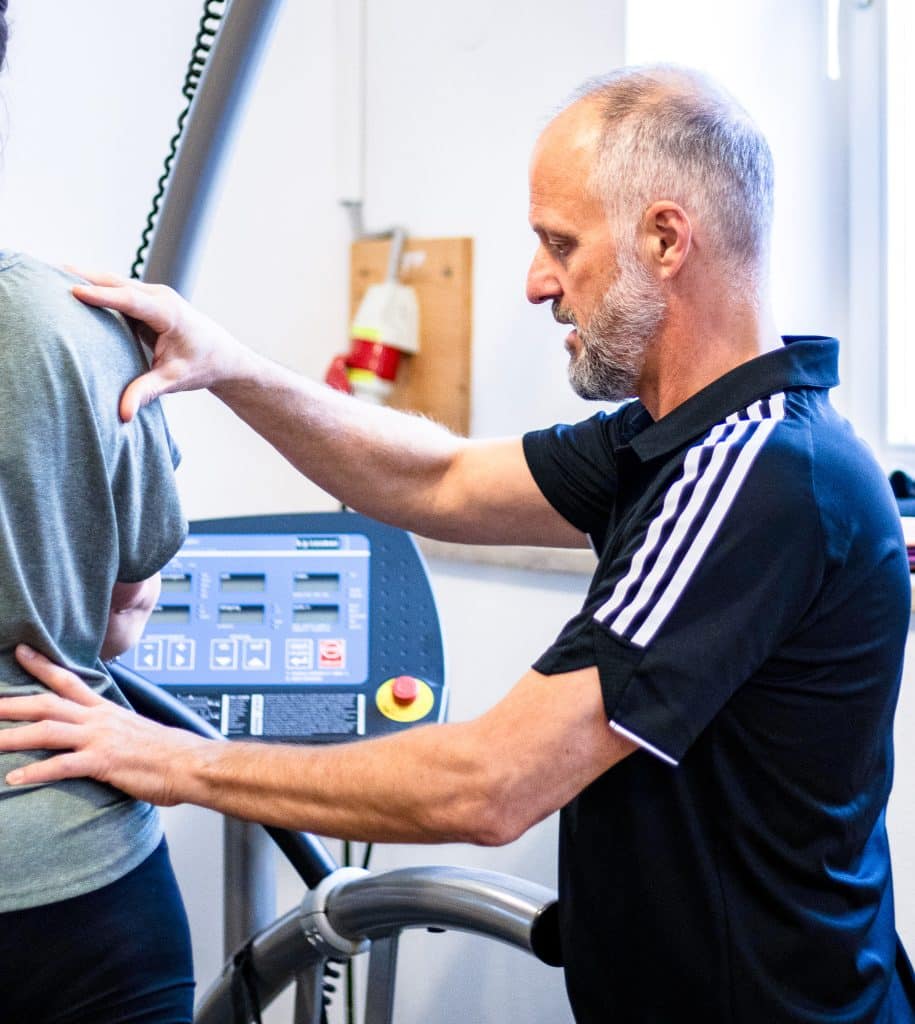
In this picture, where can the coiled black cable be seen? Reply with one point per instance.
(213, 12)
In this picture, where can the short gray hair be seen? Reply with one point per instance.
(672, 133)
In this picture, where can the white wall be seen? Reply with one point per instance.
(771, 54)
(456, 95)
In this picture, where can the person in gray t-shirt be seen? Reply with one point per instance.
(89, 513)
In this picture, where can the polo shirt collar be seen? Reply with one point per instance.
(808, 361)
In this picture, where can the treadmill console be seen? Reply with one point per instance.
(315, 627)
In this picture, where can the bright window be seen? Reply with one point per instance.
(900, 222)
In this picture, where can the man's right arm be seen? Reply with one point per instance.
(396, 467)
(400, 468)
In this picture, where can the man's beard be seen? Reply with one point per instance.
(608, 364)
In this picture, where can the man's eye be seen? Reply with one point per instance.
(560, 246)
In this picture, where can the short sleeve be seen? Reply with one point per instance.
(151, 525)
(699, 593)
(574, 467)
(95, 351)
(140, 456)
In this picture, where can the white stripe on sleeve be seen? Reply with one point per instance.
(644, 744)
(667, 513)
(701, 516)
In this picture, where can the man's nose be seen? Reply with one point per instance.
(542, 283)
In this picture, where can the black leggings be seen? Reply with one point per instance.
(117, 955)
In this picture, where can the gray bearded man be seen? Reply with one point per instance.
(715, 724)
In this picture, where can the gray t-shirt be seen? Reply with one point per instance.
(85, 501)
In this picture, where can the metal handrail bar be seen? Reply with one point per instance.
(511, 910)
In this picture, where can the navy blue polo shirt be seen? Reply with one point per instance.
(748, 617)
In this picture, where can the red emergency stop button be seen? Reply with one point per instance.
(405, 690)
(404, 699)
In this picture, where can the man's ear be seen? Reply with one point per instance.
(667, 237)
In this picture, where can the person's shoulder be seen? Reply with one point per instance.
(29, 285)
(771, 454)
(813, 430)
(813, 459)
(848, 478)
(38, 308)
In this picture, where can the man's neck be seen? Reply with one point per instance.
(700, 343)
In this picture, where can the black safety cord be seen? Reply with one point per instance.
(213, 11)
(349, 979)
(246, 1005)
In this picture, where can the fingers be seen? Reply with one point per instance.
(153, 306)
(144, 389)
(40, 706)
(63, 682)
(154, 310)
(54, 721)
(97, 276)
(64, 766)
(190, 351)
(46, 735)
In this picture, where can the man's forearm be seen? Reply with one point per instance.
(484, 781)
(397, 467)
(384, 463)
(423, 786)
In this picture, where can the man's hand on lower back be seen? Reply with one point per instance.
(95, 737)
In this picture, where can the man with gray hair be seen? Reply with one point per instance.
(716, 723)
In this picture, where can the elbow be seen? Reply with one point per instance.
(497, 830)
(487, 814)
(124, 630)
(131, 606)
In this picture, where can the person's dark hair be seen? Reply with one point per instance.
(4, 32)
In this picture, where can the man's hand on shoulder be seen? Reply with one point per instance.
(190, 351)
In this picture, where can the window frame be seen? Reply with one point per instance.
(866, 356)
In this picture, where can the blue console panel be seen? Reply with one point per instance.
(317, 627)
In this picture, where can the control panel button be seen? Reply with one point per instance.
(405, 689)
(332, 653)
(148, 657)
(223, 655)
(300, 654)
(256, 656)
(180, 655)
(404, 708)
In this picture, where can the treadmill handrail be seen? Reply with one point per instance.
(305, 852)
(512, 910)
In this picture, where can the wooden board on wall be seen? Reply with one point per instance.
(436, 381)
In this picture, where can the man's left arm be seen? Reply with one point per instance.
(485, 781)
